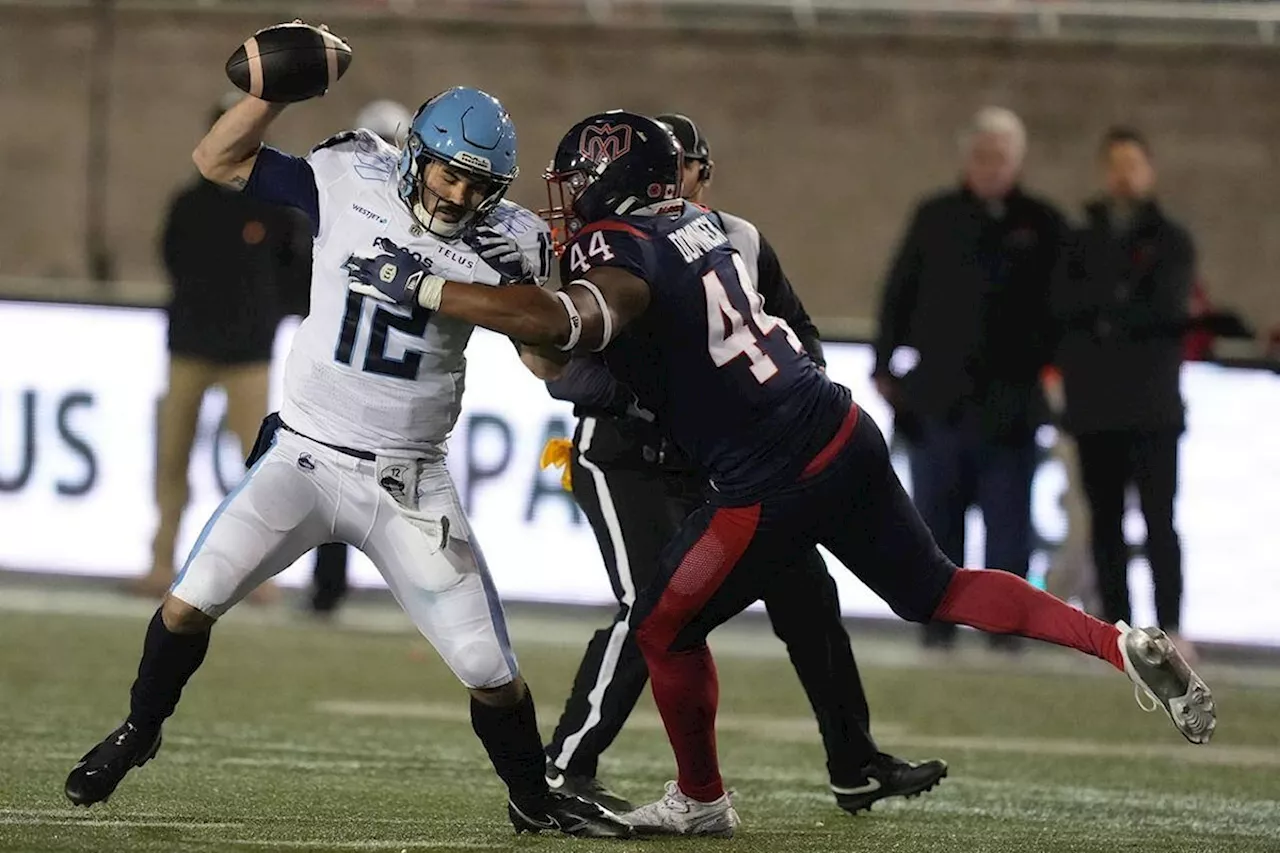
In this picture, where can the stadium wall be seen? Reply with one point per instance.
(824, 141)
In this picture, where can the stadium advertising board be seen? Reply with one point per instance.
(79, 393)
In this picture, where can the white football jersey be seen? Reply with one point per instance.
(362, 373)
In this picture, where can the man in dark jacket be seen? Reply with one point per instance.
(236, 267)
(635, 489)
(1123, 300)
(969, 291)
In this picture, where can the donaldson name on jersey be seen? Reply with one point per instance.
(729, 382)
(362, 373)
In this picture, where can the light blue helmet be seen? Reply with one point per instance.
(470, 132)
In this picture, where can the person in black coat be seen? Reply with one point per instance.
(236, 267)
(1122, 298)
(969, 291)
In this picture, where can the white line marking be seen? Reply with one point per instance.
(1176, 750)
(570, 629)
(120, 824)
(367, 845)
(803, 729)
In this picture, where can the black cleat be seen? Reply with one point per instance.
(890, 777)
(588, 788)
(97, 774)
(568, 814)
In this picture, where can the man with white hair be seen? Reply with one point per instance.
(969, 290)
(389, 119)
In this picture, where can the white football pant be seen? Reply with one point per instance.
(301, 494)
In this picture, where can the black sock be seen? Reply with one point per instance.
(510, 736)
(168, 661)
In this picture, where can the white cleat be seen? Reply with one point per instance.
(676, 814)
(1159, 671)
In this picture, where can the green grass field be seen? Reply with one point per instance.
(309, 737)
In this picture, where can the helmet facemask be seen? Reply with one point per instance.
(563, 190)
(427, 205)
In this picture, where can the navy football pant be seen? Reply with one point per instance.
(635, 507)
(850, 500)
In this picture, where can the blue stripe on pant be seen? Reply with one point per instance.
(217, 513)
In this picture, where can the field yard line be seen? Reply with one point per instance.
(72, 811)
(528, 627)
(1230, 756)
(366, 845)
(13, 820)
(800, 729)
(803, 729)
(1090, 795)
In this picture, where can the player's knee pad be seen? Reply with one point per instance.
(910, 612)
(181, 617)
(651, 639)
(920, 607)
(233, 550)
(480, 663)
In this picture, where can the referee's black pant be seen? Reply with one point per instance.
(1109, 463)
(635, 500)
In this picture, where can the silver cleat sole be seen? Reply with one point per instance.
(1158, 669)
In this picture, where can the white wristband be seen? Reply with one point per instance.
(575, 320)
(606, 317)
(430, 292)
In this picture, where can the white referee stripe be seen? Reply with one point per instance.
(613, 649)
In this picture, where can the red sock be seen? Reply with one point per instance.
(1006, 604)
(687, 692)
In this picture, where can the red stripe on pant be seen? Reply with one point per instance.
(685, 687)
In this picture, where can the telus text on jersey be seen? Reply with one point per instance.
(457, 257)
(697, 238)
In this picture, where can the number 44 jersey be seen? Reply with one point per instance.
(362, 373)
(730, 384)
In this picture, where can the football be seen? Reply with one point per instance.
(289, 62)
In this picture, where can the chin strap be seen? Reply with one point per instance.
(439, 228)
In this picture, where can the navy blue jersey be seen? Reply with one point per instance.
(730, 384)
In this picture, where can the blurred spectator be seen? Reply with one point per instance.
(1197, 345)
(1123, 299)
(388, 119)
(1071, 576)
(229, 260)
(969, 290)
(1209, 323)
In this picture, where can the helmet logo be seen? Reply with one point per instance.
(661, 192)
(605, 142)
(473, 161)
